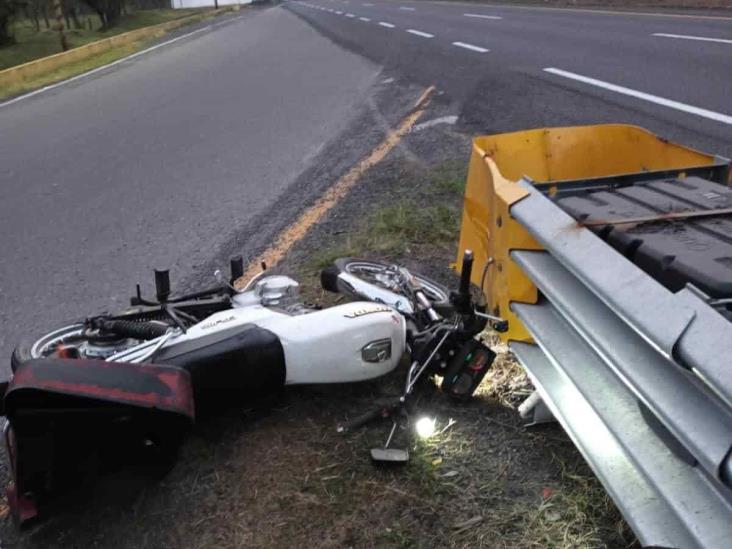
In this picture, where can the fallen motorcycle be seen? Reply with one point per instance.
(124, 388)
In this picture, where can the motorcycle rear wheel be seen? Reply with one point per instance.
(47, 344)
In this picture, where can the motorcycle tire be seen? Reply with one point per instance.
(24, 351)
(438, 294)
(38, 348)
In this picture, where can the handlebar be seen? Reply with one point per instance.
(462, 300)
(465, 273)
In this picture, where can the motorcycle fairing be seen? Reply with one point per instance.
(69, 419)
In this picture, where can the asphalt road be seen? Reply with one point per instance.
(493, 62)
(159, 162)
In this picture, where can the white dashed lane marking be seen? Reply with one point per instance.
(481, 16)
(387, 25)
(470, 47)
(420, 33)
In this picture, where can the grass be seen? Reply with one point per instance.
(73, 69)
(408, 224)
(33, 45)
(393, 231)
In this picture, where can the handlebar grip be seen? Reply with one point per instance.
(465, 273)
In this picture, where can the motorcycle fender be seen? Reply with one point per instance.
(42, 383)
(69, 419)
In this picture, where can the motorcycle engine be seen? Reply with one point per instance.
(101, 347)
(278, 291)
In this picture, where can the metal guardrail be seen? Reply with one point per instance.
(639, 376)
(627, 368)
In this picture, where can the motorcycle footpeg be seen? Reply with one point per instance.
(389, 455)
(382, 412)
(467, 369)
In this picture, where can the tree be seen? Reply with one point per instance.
(58, 9)
(109, 11)
(8, 9)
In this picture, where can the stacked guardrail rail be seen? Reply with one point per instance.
(639, 375)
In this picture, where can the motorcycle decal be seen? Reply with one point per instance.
(363, 312)
(218, 322)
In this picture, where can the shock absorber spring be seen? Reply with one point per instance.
(130, 328)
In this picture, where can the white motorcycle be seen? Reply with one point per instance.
(128, 384)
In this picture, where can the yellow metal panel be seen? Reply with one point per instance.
(489, 230)
(584, 152)
(544, 155)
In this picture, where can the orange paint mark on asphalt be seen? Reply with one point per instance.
(333, 195)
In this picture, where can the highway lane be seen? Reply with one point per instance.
(616, 62)
(159, 162)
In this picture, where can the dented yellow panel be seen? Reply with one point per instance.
(584, 152)
(545, 155)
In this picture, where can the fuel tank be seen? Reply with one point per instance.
(254, 347)
(351, 342)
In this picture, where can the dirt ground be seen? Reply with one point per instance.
(277, 474)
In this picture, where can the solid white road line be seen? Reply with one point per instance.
(718, 117)
(366, 19)
(108, 65)
(406, 9)
(480, 16)
(470, 47)
(420, 33)
(387, 25)
(435, 122)
(687, 37)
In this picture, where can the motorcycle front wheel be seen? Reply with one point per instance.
(385, 277)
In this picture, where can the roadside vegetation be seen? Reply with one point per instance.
(72, 69)
(397, 230)
(34, 35)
